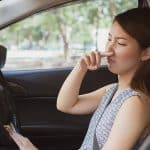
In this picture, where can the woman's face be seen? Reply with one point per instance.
(126, 50)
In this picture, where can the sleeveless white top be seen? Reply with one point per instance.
(103, 118)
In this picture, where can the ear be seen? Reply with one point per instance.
(145, 54)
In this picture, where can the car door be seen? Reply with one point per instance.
(35, 98)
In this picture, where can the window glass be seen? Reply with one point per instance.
(58, 37)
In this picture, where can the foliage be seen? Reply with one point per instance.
(64, 28)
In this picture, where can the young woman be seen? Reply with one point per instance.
(125, 123)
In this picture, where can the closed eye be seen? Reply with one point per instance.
(122, 44)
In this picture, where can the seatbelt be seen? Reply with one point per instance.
(95, 142)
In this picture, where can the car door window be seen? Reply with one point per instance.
(58, 37)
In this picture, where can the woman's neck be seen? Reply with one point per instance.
(124, 80)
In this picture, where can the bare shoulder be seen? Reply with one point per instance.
(131, 121)
(137, 105)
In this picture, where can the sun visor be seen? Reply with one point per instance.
(12, 11)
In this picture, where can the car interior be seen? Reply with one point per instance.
(34, 92)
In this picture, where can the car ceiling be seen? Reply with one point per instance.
(11, 11)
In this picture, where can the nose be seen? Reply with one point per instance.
(110, 47)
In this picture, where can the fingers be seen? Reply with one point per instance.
(22, 142)
(14, 135)
(98, 60)
(8, 128)
(106, 54)
(92, 59)
(12, 126)
(16, 139)
(87, 59)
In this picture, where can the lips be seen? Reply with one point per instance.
(110, 60)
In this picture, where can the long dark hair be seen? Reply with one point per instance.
(7, 112)
(136, 22)
(6, 109)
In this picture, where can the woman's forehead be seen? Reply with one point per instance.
(118, 32)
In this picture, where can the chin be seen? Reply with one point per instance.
(118, 69)
(113, 70)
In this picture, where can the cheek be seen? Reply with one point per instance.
(127, 56)
(126, 60)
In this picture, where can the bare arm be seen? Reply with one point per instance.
(130, 122)
(87, 103)
(69, 100)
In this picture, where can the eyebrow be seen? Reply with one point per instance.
(118, 37)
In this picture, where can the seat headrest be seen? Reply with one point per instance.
(3, 53)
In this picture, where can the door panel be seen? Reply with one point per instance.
(36, 106)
